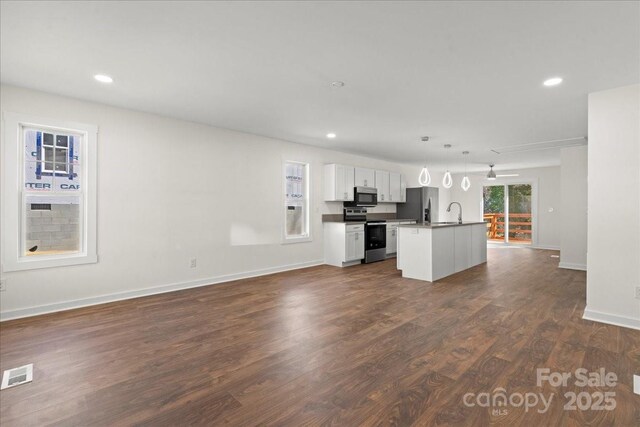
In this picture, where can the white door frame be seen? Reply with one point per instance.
(533, 182)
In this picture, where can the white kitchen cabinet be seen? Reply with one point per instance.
(478, 245)
(392, 237)
(354, 246)
(338, 183)
(462, 248)
(343, 243)
(443, 247)
(382, 185)
(433, 252)
(395, 187)
(365, 177)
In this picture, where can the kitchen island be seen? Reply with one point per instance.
(431, 251)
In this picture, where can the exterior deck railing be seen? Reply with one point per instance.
(519, 226)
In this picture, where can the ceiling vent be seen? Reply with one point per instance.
(543, 145)
(17, 376)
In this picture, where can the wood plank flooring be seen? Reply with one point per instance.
(324, 346)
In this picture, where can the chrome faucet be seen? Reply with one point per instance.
(459, 213)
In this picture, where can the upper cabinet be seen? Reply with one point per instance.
(403, 189)
(338, 183)
(382, 185)
(395, 187)
(365, 177)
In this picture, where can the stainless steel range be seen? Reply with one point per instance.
(375, 241)
(375, 234)
(357, 214)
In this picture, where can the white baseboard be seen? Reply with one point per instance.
(611, 319)
(572, 266)
(102, 299)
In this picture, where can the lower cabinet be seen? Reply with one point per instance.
(478, 245)
(433, 253)
(354, 245)
(392, 238)
(462, 246)
(343, 243)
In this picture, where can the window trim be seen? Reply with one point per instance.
(13, 195)
(307, 188)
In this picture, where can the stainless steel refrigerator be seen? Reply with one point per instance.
(421, 204)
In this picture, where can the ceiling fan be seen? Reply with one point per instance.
(491, 175)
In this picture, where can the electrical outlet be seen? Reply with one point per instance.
(3, 285)
(638, 292)
(193, 262)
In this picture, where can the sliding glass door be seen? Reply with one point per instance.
(519, 220)
(508, 213)
(494, 203)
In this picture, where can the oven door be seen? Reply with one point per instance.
(375, 236)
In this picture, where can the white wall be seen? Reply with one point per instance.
(545, 181)
(573, 218)
(613, 258)
(170, 190)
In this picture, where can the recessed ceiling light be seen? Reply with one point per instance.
(337, 83)
(102, 78)
(553, 81)
(331, 135)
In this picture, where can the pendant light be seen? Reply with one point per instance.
(425, 178)
(447, 180)
(466, 183)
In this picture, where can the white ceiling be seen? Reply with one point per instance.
(465, 73)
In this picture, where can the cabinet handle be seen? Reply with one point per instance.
(345, 195)
(382, 197)
(391, 197)
(357, 237)
(365, 183)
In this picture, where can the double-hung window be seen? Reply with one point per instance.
(49, 193)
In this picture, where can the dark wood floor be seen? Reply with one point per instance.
(323, 346)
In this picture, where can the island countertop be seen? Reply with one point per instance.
(438, 224)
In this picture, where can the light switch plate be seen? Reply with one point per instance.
(636, 384)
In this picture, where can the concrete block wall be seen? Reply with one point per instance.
(57, 229)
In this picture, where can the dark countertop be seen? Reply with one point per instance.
(441, 225)
(370, 219)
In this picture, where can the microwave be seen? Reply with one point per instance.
(363, 196)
